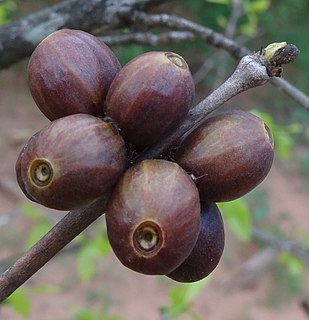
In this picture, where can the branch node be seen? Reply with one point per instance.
(277, 54)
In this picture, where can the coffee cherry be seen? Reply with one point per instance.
(70, 72)
(208, 249)
(153, 217)
(150, 95)
(229, 155)
(71, 162)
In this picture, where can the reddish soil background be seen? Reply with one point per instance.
(232, 293)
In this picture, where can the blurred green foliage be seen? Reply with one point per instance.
(303, 163)
(293, 264)
(91, 249)
(284, 136)
(289, 280)
(257, 201)
(41, 224)
(20, 303)
(20, 300)
(86, 314)
(181, 297)
(7, 10)
(236, 215)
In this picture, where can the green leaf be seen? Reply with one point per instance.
(6, 9)
(225, 2)
(42, 225)
(284, 144)
(102, 244)
(20, 303)
(86, 258)
(293, 264)
(47, 289)
(250, 26)
(128, 52)
(182, 296)
(259, 6)
(237, 216)
(2, 15)
(91, 250)
(37, 232)
(283, 135)
(86, 314)
(83, 314)
(222, 21)
(257, 201)
(30, 211)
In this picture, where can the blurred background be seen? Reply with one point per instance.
(264, 270)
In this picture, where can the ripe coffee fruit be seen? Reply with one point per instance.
(150, 95)
(208, 249)
(229, 155)
(153, 217)
(71, 162)
(70, 72)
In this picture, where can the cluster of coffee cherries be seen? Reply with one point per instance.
(161, 214)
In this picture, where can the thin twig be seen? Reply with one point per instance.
(294, 247)
(292, 91)
(148, 38)
(230, 30)
(19, 38)
(178, 23)
(204, 69)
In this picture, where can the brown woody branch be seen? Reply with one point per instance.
(148, 38)
(210, 36)
(19, 38)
